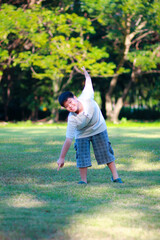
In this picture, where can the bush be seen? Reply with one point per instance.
(63, 114)
(139, 114)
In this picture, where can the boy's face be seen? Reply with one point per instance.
(71, 104)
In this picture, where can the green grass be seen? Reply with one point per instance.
(122, 123)
(39, 203)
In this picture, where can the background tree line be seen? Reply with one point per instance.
(44, 44)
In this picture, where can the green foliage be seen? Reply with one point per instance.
(51, 42)
(131, 33)
(123, 70)
(146, 59)
(47, 40)
(113, 14)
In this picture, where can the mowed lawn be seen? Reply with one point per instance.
(39, 203)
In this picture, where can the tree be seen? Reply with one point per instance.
(51, 44)
(130, 26)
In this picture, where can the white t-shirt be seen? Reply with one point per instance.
(90, 121)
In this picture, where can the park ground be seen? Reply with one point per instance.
(39, 203)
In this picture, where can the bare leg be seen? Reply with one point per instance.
(113, 169)
(83, 174)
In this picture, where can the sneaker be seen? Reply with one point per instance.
(82, 182)
(118, 180)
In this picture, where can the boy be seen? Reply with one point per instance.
(86, 124)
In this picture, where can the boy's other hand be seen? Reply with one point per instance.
(83, 68)
(60, 163)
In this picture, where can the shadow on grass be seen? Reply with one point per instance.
(37, 202)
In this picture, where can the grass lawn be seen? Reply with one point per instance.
(39, 203)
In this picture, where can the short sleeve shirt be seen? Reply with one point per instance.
(90, 121)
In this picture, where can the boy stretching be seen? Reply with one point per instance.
(86, 124)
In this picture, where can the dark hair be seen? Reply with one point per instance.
(64, 96)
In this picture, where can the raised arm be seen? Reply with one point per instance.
(88, 82)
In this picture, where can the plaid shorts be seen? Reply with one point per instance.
(102, 149)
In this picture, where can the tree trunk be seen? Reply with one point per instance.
(8, 95)
(55, 114)
(117, 110)
(120, 102)
(109, 105)
(112, 113)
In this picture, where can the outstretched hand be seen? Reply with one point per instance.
(83, 68)
(60, 163)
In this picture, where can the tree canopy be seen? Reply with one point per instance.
(52, 40)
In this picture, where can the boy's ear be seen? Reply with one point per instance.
(75, 97)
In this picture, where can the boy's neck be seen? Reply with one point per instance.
(79, 107)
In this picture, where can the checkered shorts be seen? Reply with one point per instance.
(102, 149)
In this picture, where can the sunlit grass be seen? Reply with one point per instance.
(62, 125)
(39, 203)
(24, 201)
